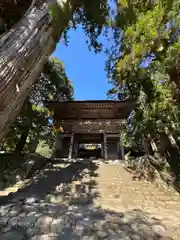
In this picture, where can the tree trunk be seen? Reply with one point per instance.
(152, 144)
(22, 141)
(175, 77)
(145, 145)
(34, 144)
(23, 52)
(171, 139)
(160, 143)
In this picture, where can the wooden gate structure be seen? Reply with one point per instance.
(99, 122)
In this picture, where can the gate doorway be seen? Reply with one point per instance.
(92, 151)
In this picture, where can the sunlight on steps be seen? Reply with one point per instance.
(16, 187)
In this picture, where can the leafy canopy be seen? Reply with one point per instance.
(144, 63)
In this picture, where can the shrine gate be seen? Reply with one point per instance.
(95, 122)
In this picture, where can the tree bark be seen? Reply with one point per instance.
(168, 143)
(171, 139)
(145, 145)
(23, 52)
(152, 144)
(34, 144)
(22, 141)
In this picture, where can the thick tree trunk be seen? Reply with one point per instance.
(23, 52)
(34, 144)
(27, 124)
(22, 141)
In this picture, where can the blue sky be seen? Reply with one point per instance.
(84, 68)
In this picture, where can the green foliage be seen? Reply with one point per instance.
(92, 15)
(44, 150)
(145, 59)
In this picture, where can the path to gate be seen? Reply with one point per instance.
(90, 201)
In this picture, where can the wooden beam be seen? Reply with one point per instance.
(63, 135)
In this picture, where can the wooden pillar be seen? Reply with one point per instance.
(105, 146)
(76, 145)
(71, 146)
(102, 149)
(121, 147)
(118, 149)
(57, 145)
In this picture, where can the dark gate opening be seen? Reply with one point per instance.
(89, 151)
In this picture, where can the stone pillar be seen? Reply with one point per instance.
(71, 146)
(121, 147)
(105, 146)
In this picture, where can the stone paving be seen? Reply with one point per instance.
(89, 201)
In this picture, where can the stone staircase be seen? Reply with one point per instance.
(90, 201)
(119, 192)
